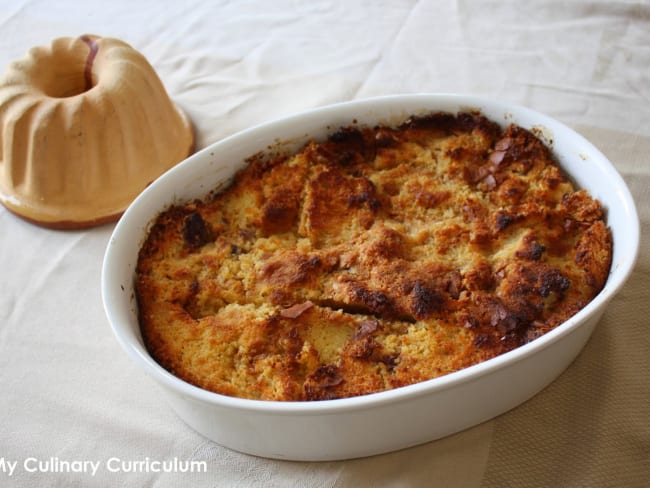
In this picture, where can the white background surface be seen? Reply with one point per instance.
(68, 392)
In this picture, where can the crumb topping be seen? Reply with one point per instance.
(377, 258)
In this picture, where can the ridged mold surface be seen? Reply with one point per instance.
(85, 125)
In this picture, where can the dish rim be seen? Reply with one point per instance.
(131, 340)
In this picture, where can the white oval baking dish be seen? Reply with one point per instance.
(391, 420)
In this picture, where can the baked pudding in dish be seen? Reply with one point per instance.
(380, 257)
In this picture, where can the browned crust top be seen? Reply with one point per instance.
(375, 259)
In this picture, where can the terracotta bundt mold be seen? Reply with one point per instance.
(85, 125)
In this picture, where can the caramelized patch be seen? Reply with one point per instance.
(374, 301)
(593, 254)
(425, 301)
(279, 213)
(319, 385)
(530, 249)
(290, 268)
(196, 232)
(347, 147)
(502, 220)
(337, 203)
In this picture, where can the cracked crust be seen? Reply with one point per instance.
(378, 258)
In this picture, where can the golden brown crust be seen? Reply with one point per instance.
(378, 258)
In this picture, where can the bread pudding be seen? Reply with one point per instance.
(377, 258)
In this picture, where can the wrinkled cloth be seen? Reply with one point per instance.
(68, 391)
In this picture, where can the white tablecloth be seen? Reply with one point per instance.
(68, 393)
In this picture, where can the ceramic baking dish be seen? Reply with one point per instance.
(390, 420)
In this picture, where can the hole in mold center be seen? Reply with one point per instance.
(66, 86)
(72, 74)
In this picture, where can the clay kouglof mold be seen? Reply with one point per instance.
(85, 125)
